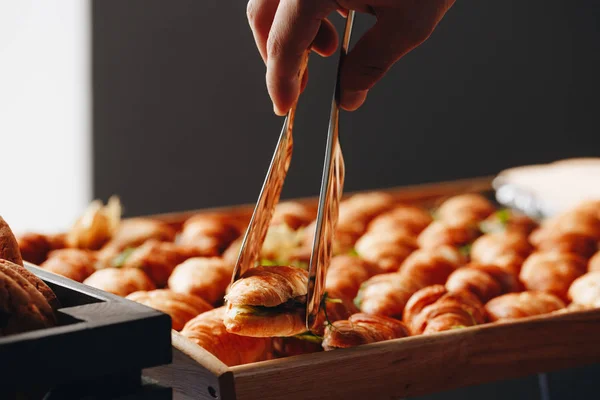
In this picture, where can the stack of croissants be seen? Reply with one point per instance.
(398, 270)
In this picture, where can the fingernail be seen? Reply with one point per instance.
(351, 100)
(278, 111)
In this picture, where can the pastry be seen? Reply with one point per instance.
(441, 233)
(552, 272)
(210, 234)
(180, 307)
(436, 309)
(120, 281)
(362, 329)
(268, 301)
(207, 278)
(96, 226)
(208, 331)
(507, 220)
(134, 232)
(594, 263)
(387, 294)
(293, 214)
(484, 281)
(402, 217)
(465, 209)
(9, 248)
(346, 273)
(491, 247)
(585, 290)
(75, 264)
(35, 246)
(388, 249)
(521, 305)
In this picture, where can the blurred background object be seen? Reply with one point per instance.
(45, 120)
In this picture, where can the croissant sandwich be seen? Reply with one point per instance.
(521, 305)
(268, 301)
(362, 329)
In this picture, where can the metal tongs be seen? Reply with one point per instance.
(332, 185)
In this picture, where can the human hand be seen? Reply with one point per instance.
(285, 29)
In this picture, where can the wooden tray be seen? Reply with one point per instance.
(395, 369)
(99, 338)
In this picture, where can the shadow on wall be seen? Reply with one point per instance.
(182, 119)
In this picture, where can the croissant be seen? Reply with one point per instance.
(574, 222)
(484, 281)
(211, 234)
(207, 278)
(336, 308)
(585, 290)
(120, 281)
(9, 247)
(133, 233)
(180, 307)
(465, 209)
(22, 306)
(387, 294)
(402, 217)
(157, 259)
(75, 264)
(491, 247)
(362, 329)
(552, 272)
(35, 246)
(346, 273)
(208, 331)
(507, 220)
(268, 301)
(521, 305)
(577, 243)
(594, 263)
(293, 214)
(441, 233)
(435, 309)
(387, 250)
(355, 213)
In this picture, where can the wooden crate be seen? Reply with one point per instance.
(394, 369)
(100, 338)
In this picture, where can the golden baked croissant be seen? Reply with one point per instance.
(22, 306)
(9, 247)
(120, 281)
(484, 281)
(552, 272)
(594, 263)
(387, 294)
(362, 329)
(207, 278)
(492, 247)
(96, 226)
(293, 214)
(570, 242)
(465, 209)
(346, 273)
(355, 213)
(208, 331)
(388, 249)
(180, 307)
(569, 229)
(36, 246)
(334, 307)
(402, 217)
(134, 232)
(436, 309)
(521, 305)
(75, 264)
(210, 234)
(268, 301)
(507, 220)
(157, 259)
(441, 233)
(585, 290)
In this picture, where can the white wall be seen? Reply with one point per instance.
(45, 130)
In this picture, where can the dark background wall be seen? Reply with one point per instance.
(182, 118)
